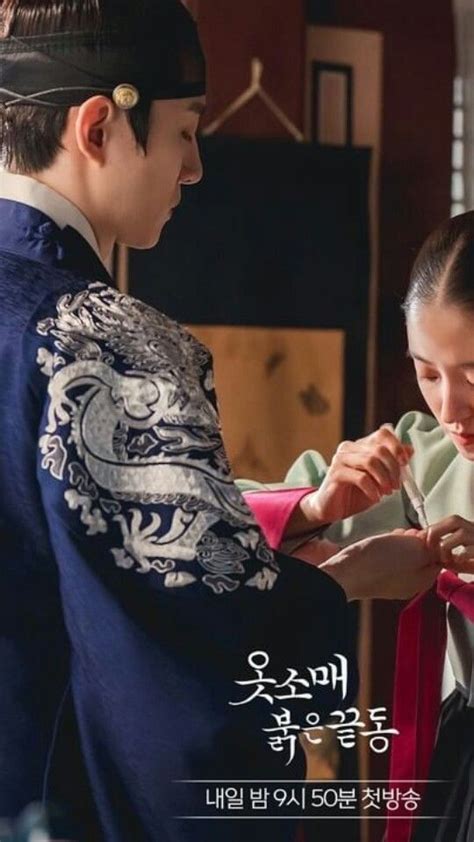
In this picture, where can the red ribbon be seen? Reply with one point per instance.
(421, 648)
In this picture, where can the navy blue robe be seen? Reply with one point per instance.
(134, 582)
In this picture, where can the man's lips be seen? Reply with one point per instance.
(172, 210)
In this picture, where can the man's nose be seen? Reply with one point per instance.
(192, 171)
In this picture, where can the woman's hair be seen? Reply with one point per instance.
(30, 135)
(444, 269)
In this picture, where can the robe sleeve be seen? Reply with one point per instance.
(167, 582)
(273, 509)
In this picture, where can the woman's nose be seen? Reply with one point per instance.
(456, 407)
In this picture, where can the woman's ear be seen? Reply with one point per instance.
(94, 118)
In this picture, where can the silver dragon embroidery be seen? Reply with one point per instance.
(133, 389)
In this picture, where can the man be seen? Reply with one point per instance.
(135, 582)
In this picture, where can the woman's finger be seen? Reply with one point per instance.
(386, 458)
(368, 461)
(383, 437)
(386, 439)
(457, 539)
(386, 435)
(445, 527)
(361, 480)
(463, 562)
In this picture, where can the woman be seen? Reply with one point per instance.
(360, 495)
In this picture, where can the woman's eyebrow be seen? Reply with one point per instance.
(417, 357)
(413, 356)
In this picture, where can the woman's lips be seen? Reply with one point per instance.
(463, 439)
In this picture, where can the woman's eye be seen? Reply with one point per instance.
(188, 136)
(428, 378)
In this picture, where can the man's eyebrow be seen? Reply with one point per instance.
(417, 357)
(197, 107)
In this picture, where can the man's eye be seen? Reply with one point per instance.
(188, 136)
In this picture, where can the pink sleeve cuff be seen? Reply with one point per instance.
(273, 509)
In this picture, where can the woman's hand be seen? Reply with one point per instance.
(453, 537)
(360, 474)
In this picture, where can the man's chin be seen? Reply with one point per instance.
(142, 243)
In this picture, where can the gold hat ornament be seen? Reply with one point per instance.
(163, 56)
(126, 96)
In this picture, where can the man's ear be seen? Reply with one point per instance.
(94, 118)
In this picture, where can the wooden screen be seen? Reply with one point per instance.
(280, 392)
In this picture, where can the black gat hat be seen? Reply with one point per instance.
(157, 56)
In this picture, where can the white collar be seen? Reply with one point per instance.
(28, 191)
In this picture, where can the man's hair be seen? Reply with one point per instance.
(31, 135)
